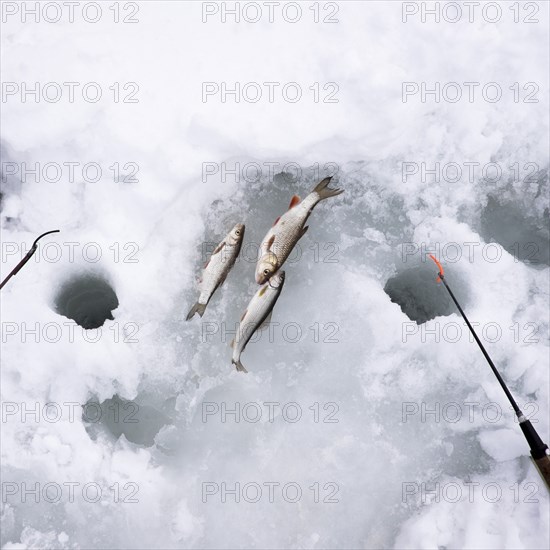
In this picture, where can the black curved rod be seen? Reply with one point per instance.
(26, 258)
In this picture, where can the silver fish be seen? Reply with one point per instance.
(217, 268)
(257, 315)
(288, 230)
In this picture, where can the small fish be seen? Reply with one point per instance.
(288, 230)
(257, 316)
(217, 268)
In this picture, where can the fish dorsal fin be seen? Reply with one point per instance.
(276, 221)
(294, 201)
(218, 248)
(206, 264)
(267, 320)
(244, 314)
(232, 343)
(270, 242)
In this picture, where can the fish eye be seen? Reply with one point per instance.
(238, 232)
(266, 271)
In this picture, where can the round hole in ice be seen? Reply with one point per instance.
(420, 297)
(88, 300)
(139, 423)
(520, 234)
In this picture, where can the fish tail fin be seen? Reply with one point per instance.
(238, 365)
(197, 308)
(324, 191)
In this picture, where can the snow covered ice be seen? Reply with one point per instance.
(369, 418)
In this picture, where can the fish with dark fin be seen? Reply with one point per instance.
(288, 230)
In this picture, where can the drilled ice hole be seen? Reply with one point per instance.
(139, 423)
(88, 300)
(420, 297)
(519, 233)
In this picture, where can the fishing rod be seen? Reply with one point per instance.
(539, 449)
(26, 258)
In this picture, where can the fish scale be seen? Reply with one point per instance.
(288, 229)
(281, 239)
(217, 268)
(256, 314)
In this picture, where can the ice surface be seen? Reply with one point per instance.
(393, 379)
